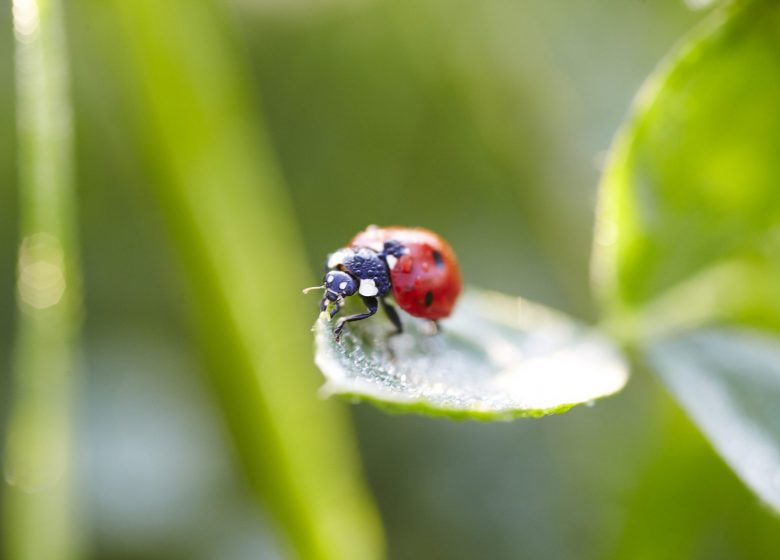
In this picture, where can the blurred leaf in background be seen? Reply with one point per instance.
(692, 192)
(693, 186)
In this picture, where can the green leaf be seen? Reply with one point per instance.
(729, 382)
(692, 188)
(497, 358)
(688, 238)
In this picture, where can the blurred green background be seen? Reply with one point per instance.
(485, 121)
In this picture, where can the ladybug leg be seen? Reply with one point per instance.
(392, 314)
(371, 303)
(333, 310)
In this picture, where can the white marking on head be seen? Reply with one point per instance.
(330, 279)
(391, 261)
(342, 285)
(336, 259)
(376, 246)
(368, 288)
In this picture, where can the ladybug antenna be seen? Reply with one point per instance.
(312, 288)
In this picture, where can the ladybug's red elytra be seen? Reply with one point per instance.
(415, 264)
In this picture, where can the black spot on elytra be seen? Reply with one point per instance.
(437, 258)
(428, 298)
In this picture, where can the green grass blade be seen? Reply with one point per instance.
(233, 227)
(39, 507)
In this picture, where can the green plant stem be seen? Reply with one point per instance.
(233, 228)
(40, 518)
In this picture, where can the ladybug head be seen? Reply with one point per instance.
(339, 284)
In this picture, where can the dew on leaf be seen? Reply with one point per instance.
(498, 357)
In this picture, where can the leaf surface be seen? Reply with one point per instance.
(496, 358)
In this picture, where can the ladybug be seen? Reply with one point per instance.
(414, 265)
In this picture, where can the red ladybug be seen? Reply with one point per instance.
(418, 266)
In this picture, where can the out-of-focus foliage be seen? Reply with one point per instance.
(9, 222)
(39, 450)
(221, 198)
(498, 358)
(486, 121)
(692, 194)
(729, 381)
(693, 188)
